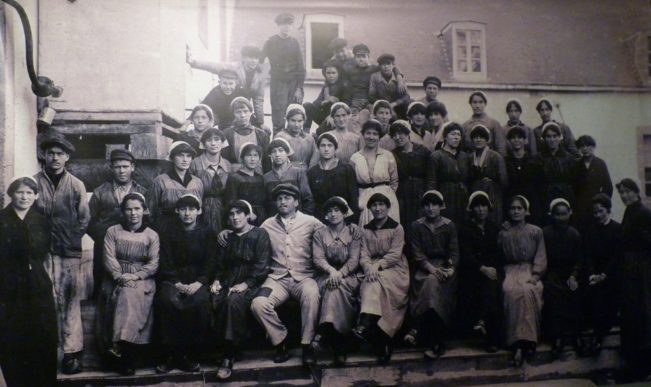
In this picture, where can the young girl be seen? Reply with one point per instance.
(202, 118)
(283, 171)
(302, 143)
(168, 187)
(383, 113)
(213, 171)
(241, 132)
(477, 102)
(247, 183)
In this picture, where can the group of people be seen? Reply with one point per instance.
(403, 219)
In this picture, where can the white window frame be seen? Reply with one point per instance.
(318, 18)
(648, 55)
(467, 26)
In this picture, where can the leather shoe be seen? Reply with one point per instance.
(166, 366)
(282, 354)
(71, 365)
(308, 356)
(360, 332)
(225, 369)
(187, 365)
(384, 354)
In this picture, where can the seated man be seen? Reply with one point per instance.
(384, 85)
(219, 98)
(292, 273)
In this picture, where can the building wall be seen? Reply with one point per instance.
(579, 42)
(17, 103)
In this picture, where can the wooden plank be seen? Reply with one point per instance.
(135, 115)
(106, 129)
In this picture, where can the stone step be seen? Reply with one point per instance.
(462, 364)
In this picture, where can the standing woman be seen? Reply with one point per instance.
(437, 115)
(420, 130)
(28, 322)
(302, 143)
(450, 173)
(331, 177)
(514, 111)
(477, 102)
(213, 170)
(636, 281)
(434, 251)
(414, 162)
(349, 142)
(237, 273)
(487, 171)
(544, 109)
(383, 113)
(523, 246)
(376, 172)
(247, 183)
(242, 132)
(124, 309)
(384, 291)
(336, 252)
(168, 187)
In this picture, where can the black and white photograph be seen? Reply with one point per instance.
(325, 193)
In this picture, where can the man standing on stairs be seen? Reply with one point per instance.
(105, 206)
(62, 199)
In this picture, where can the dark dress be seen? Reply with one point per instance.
(587, 183)
(526, 178)
(562, 308)
(636, 279)
(557, 171)
(450, 176)
(602, 245)
(433, 245)
(338, 181)
(490, 177)
(414, 175)
(28, 325)
(250, 188)
(480, 297)
(185, 257)
(246, 259)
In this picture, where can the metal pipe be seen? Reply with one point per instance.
(41, 86)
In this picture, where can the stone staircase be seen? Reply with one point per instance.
(463, 364)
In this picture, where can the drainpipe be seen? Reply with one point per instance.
(41, 86)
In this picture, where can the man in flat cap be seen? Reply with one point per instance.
(292, 273)
(105, 205)
(431, 85)
(250, 75)
(384, 85)
(62, 199)
(287, 69)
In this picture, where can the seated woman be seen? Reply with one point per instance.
(213, 170)
(182, 301)
(335, 251)
(383, 292)
(434, 251)
(169, 186)
(376, 172)
(237, 273)
(247, 183)
(562, 311)
(125, 313)
(305, 153)
(523, 247)
(602, 244)
(481, 271)
(28, 321)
